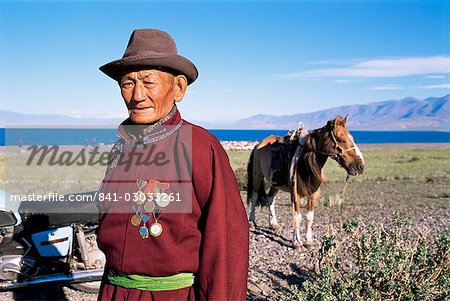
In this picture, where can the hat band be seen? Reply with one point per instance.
(149, 53)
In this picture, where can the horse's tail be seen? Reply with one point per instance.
(250, 176)
(262, 196)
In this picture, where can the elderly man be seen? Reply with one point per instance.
(154, 253)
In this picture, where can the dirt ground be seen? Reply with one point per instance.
(275, 265)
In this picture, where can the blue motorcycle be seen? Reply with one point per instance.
(50, 247)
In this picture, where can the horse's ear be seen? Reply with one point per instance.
(344, 122)
(337, 120)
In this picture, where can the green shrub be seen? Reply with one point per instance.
(374, 263)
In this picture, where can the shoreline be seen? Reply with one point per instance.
(245, 145)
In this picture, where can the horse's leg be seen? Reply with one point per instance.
(312, 201)
(296, 220)
(257, 181)
(251, 215)
(273, 222)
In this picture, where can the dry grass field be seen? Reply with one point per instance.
(411, 180)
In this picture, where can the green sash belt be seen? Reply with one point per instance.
(149, 283)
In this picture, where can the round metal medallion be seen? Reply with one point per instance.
(156, 229)
(162, 200)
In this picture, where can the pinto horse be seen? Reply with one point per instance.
(306, 178)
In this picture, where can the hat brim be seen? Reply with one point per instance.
(177, 63)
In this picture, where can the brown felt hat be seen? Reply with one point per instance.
(151, 48)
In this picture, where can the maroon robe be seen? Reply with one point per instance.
(211, 241)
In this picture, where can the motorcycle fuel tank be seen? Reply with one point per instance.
(55, 242)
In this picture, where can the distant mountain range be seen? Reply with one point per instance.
(13, 118)
(407, 114)
(432, 113)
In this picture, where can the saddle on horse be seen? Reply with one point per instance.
(282, 151)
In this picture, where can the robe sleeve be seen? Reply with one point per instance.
(113, 158)
(224, 246)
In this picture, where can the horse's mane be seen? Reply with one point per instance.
(308, 164)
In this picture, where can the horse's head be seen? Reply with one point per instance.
(342, 147)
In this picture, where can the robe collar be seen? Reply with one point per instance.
(146, 134)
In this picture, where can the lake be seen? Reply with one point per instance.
(77, 136)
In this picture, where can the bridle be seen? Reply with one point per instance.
(340, 150)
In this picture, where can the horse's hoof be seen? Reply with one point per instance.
(275, 227)
(297, 247)
(251, 226)
(310, 245)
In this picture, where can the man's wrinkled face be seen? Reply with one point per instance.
(149, 94)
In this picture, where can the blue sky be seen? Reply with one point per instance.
(254, 57)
